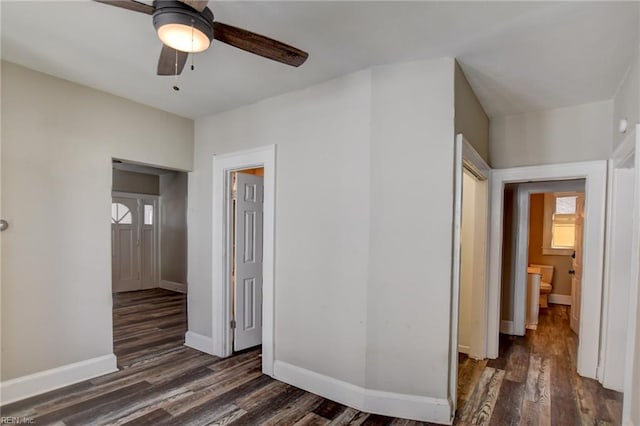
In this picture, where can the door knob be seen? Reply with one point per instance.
(3, 225)
(572, 272)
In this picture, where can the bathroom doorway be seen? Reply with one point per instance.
(548, 254)
(554, 261)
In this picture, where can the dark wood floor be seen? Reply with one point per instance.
(162, 382)
(534, 381)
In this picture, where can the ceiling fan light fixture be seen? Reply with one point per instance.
(184, 38)
(182, 28)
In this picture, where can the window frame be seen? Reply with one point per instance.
(547, 225)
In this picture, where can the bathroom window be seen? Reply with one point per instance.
(559, 223)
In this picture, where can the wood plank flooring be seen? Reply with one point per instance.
(534, 382)
(162, 382)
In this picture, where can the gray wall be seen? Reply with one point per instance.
(470, 118)
(508, 259)
(173, 227)
(58, 139)
(138, 183)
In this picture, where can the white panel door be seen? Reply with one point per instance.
(125, 245)
(576, 278)
(248, 261)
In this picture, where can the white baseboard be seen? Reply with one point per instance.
(392, 404)
(199, 342)
(464, 349)
(173, 286)
(44, 381)
(560, 299)
(507, 327)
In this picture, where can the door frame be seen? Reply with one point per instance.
(223, 165)
(595, 174)
(521, 258)
(632, 365)
(622, 158)
(465, 156)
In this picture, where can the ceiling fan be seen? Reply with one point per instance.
(188, 26)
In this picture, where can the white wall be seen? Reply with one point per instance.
(363, 240)
(58, 139)
(615, 350)
(322, 219)
(409, 283)
(577, 133)
(626, 101)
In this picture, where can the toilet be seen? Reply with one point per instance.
(546, 278)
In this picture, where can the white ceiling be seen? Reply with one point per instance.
(518, 56)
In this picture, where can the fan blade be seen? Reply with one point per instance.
(129, 5)
(171, 61)
(258, 44)
(198, 5)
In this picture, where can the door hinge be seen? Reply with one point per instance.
(234, 194)
(233, 323)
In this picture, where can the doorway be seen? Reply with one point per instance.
(554, 260)
(542, 254)
(222, 342)
(149, 258)
(469, 264)
(594, 176)
(473, 240)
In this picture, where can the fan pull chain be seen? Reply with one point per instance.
(175, 75)
(192, 40)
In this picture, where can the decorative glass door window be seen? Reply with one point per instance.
(120, 214)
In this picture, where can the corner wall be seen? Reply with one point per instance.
(58, 139)
(173, 231)
(358, 226)
(470, 118)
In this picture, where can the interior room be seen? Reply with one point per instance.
(344, 283)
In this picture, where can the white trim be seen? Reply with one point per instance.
(595, 194)
(44, 381)
(455, 273)
(173, 286)
(392, 404)
(609, 229)
(134, 195)
(199, 342)
(221, 298)
(471, 158)
(507, 327)
(632, 363)
(521, 261)
(560, 299)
